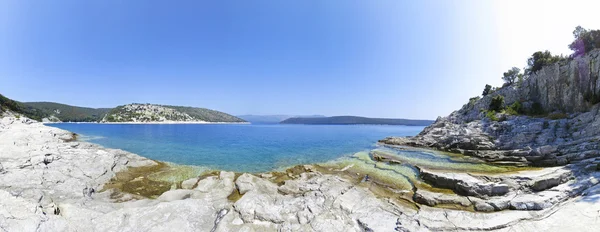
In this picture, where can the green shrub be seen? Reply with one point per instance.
(486, 90)
(497, 103)
(536, 109)
(556, 116)
(515, 109)
(491, 115)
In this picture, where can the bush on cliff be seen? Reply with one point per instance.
(491, 115)
(515, 109)
(536, 109)
(540, 59)
(486, 90)
(497, 103)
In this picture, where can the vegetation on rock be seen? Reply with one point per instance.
(7, 104)
(540, 59)
(67, 113)
(585, 41)
(486, 90)
(162, 113)
(511, 75)
(497, 103)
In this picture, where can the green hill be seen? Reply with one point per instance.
(165, 113)
(7, 104)
(349, 120)
(67, 113)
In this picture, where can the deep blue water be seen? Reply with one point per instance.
(239, 147)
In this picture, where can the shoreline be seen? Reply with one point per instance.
(337, 195)
(144, 123)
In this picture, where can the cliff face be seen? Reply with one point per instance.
(571, 87)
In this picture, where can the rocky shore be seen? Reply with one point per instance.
(562, 128)
(49, 181)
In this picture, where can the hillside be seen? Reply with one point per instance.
(347, 120)
(273, 118)
(7, 104)
(67, 113)
(164, 113)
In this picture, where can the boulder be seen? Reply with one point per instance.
(248, 182)
(189, 183)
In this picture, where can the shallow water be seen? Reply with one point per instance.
(239, 147)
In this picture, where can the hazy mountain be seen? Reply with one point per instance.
(272, 118)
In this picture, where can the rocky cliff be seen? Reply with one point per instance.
(565, 129)
(164, 113)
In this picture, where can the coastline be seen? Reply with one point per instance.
(143, 123)
(306, 197)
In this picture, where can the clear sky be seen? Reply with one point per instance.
(388, 58)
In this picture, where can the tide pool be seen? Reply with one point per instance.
(238, 147)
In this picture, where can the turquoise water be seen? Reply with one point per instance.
(239, 147)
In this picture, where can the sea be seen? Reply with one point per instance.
(238, 147)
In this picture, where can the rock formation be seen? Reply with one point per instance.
(568, 129)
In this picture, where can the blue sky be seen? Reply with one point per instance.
(405, 59)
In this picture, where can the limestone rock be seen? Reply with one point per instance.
(463, 183)
(189, 184)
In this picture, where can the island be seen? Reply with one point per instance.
(272, 119)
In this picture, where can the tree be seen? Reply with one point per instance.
(511, 75)
(585, 40)
(538, 60)
(486, 90)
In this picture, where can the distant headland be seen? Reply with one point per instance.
(349, 120)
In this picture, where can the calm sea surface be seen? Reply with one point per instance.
(238, 147)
